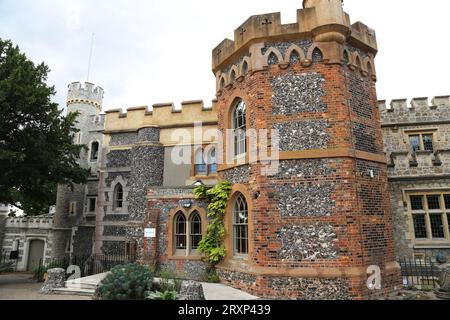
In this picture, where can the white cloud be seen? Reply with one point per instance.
(157, 51)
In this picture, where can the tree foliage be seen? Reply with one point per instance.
(37, 148)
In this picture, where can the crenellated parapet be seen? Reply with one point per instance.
(269, 26)
(85, 94)
(164, 115)
(418, 111)
(322, 31)
(37, 222)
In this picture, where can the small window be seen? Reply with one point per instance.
(245, 68)
(118, 196)
(91, 205)
(200, 165)
(180, 232)
(447, 201)
(416, 203)
(239, 125)
(420, 228)
(433, 202)
(77, 139)
(94, 151)
(437, 226)
(69, 244)
(196, 230)
(421, 142)
(73, 208)
(212, 162)
(240, 225)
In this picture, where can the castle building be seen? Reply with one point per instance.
(417, 144)
(307, 216)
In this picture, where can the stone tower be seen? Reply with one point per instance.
(74, 222)
(316, 225)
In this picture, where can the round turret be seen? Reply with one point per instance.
(331, 22)
(89, 94)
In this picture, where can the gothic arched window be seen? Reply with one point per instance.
(118, 197)
(240, 225)
(195, 230)
(239, 126)
(200, 165)
(180, 232)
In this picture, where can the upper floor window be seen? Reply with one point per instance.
(118, 196)
(91, 204)
(421, 142)
(431, 216)
(239, 127)
(240, 225)
(73, 208)
(205, 162)
(95, 146)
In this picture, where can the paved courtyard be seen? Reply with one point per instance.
(21, 286)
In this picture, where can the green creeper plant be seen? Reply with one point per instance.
(212, 243)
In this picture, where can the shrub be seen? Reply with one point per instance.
(166, 295)
(126, 282)
(39, 272)
(169, 281)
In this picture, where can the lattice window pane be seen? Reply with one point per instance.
(416, 202)
(437, 226)
(415, 143)
(420, 228)
(447, 201)
(180, 232)
(428, 142)
(433, 202)
(196, 230)
(240, 225)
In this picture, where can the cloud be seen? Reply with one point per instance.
(157, 51)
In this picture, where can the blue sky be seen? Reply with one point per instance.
(147, 52)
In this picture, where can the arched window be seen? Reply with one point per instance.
(195, 230)
(180, 232)
(240, 225)
(212, 161)
(239, 126)
(94, 151)
(118, 197)
(233, 76)
(244, 68)
(200, 165)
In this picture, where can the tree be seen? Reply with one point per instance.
(37, 150)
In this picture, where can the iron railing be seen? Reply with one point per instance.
(89, 265)
(420, 273)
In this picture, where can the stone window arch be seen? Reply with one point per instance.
(118, 197)
(240, 225)
(180, 232)
(195, 230)
(232, 76)
(239, 128)
(244, 68)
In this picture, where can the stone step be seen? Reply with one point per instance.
(74, 292)
(81, 285)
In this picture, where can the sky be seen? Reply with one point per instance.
(149, 51)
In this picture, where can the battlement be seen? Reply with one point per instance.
(38, 222)
(162, 115)
(418, 110)
(88, 94)
(329, 24)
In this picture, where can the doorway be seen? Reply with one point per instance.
(35, 254)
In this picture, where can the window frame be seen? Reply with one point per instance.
(421, 135)
(188, 253)
(73, 208)
(236, 226)
(116, 207)
(427, 213)
(208, 166)
(92, 160)
(88, 204)
(239, 131)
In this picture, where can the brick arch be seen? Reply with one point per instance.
(228, 221)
